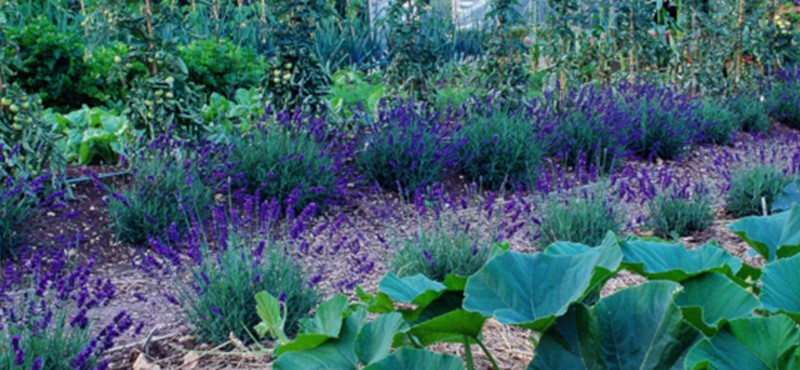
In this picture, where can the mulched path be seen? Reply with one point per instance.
(170, 345)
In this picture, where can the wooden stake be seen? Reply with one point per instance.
(740, 41)
(149, 24)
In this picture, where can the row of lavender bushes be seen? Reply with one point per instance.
(246, 212)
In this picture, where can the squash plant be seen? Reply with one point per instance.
(701, 308)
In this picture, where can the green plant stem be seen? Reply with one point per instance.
(488, 354)
(468, 354)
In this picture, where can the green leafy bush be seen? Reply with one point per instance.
(439, 252)
(719, 123)
(162, 189)
(227, 280)
(752, 113)
(91, 135)
(47, 62)
(223, 117)
(749, 184)
(583, 219)
(352, 89)
(681, 210)
(783, 99)
(498, 149)
(27, 145)
(221, 66)
(108, 76)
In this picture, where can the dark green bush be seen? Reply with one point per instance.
(228, 280)
(108, 75)
(582, 219)
(162, 186)
(749, 184)
(47, 62)
(16, 210)
(499, 149)
(222, 66)
(680, 211)
(719, 123)
(439, 252)
(783, 99)
(752, 113)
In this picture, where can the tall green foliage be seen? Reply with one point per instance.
(505, 66)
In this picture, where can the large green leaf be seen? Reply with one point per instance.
(451, 327)
(417, 289)
(775, 236)
(374, 341)
(755, 343)
(710, 300)
(533, 290)
(608, 257)
(635, 328)
(272, 322)
(336, 354)
(663, 261)
(790, 196)
(325, 325)
(779, 292)
(408, 358)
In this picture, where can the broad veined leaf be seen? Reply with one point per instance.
(754, 343)
(268, 309)
(450, 327)
(375, 339)
(712, 299)
(635, 328)
(775, 236)
(335, 354)
(790, 196)
(325, 325)
(779, 291)
(608, 254)
(531, 290)
(409, 358)
(663, 261)
(417, 289)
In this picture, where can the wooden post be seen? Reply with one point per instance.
(632, 53)
(740, 41)
(149, 24)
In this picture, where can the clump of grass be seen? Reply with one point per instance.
(749, 184)
(681, 210)
(582, 219)
(500, 149)
(751, 112)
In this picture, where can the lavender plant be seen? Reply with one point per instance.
(230, 260)
(751, 113)
(167, 178)
(584, 218)
(291, 161)
(406, 149)
(499, 149)
(45, 309)
(681, 209)
(749, 184)
(784, 98)
(17, 203)
(719, 123)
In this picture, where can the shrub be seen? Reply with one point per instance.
(47, 62)
(162, 186)
(45, 307)
(749, 185)
(17, 200)
(439, 252)
(407, 150)
(592, 128)
(582, 219)
(752, 113)
(27, 145)
(108, 77)
(665, 122)
(681, 210)
(719, 123)
(221, 66)
(281, 163)
(227, 280)
(500, 149)
(784, 98)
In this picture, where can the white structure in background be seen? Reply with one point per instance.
(469, 13)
